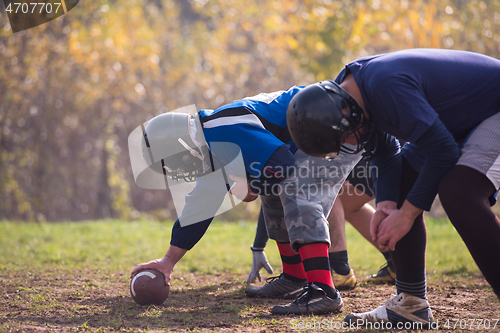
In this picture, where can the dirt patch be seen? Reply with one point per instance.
(58, 301)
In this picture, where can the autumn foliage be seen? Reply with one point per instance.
(71, 90)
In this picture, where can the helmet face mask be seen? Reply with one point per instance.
(362, 134)
(322, 116)
(169, 149)
(182, 166)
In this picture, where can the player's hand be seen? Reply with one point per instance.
(377, 219)
(396, 225)
(163, 265)
(259, 261)
(251, 196)
(241, 189)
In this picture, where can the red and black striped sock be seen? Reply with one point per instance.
(292, 264)
(317, 266)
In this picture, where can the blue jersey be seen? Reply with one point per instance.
(257, 125)
(411, 94)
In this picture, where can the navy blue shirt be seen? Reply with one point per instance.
(432, 98)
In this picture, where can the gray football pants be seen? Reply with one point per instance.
(298, 209)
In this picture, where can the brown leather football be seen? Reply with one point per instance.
(148, 287)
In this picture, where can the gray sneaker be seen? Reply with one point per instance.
(414, 312)
(277, 287)
(312, 300)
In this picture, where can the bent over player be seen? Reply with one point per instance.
(297, 191)
(436, 100)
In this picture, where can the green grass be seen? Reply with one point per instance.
(75, 276)
(119, 246)
(112, 246)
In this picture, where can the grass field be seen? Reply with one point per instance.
(74, 277)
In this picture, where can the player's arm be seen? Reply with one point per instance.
(442, 153)
(185, 236)
(386, 170)
(404, 109)
(183, 239)
(165, 264)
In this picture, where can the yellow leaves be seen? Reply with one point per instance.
(358, 27)
(95, 31)
(292, 43)
(130, 59)
(154, 58)
(320, 47)
(273, 23)
(136, 14)
(94, 56)
(320, 12)
(247, 26)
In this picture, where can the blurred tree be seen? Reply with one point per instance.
(73, 89)
(473, 26)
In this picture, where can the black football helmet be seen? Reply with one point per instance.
(317, 124)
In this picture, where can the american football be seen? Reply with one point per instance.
(148, 287)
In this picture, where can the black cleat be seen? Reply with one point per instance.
(277, 287)
(312, 300)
